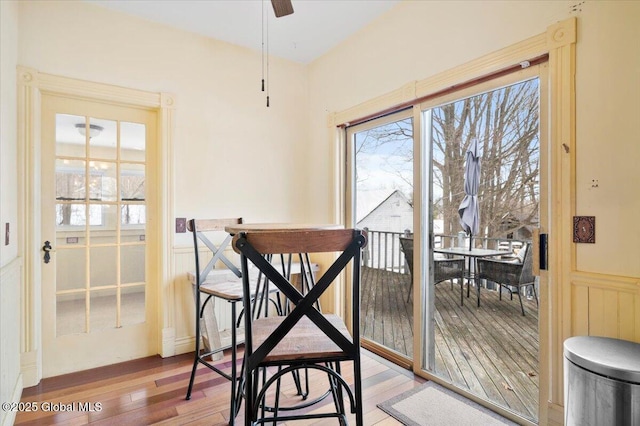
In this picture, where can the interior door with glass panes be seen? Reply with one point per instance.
(98, 228)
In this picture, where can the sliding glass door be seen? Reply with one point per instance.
(381, 201)
(484, 343)
(405, 184)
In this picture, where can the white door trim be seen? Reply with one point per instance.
(31, 85)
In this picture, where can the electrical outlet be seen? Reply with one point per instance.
(181, 225)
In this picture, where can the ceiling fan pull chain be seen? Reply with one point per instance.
(268, 60)
(262, 45)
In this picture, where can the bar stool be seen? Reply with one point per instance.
(210, 283)
(303, 338)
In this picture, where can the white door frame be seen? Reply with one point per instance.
(31, 85)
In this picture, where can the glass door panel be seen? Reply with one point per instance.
(482, 344)
(93, 182)
(382, 203)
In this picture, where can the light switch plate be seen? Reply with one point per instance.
(584, 229)
(181, 225)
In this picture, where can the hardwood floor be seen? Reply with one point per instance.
(152, 391)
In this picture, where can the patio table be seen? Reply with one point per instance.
(471, 255)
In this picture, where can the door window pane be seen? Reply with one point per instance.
(71, 182)
(71, 268)
(103, 266)
(103, 188)
(103, 143)
(133, 305)
(69, 141)
(71, 315)
(132, 182)
(132, 261)
(133, 214)
(132, 141)
(103, 308)
(105, 215)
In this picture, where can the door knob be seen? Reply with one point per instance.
(47, 248)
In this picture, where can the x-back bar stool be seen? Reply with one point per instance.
(304, 338)
(211, 283)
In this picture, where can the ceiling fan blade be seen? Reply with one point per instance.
(282, 7)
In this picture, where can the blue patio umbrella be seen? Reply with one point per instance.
(469, 209)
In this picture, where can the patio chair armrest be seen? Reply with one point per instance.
(497, 269)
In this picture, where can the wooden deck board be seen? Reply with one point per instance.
(491, 350)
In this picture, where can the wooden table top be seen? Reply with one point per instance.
(258, 227)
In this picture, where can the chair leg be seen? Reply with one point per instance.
(234, 372)
(193, 372)
(336, 388)
(357, 374)
(196, 357)
(276, 404)
(521, 305)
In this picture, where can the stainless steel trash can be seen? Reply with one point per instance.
(601, 382)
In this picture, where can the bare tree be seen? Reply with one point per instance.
(505, 121)
(390, 141)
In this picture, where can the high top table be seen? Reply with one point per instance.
(472, 255)
(266, 227)
(305, 267)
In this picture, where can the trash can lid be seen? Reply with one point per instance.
(614, 358)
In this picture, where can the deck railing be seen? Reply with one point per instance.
(383, 251)
(383, 248)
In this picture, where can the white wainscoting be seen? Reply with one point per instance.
(185, 304)
(10, 375)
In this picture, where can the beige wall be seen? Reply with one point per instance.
(608, 135)
(8, 129)
(10, 262)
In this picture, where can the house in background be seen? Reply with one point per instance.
(393, 214)
(282, 164)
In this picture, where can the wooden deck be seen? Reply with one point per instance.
(491, 350)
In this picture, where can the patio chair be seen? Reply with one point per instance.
(513, 274)
(443, 269)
